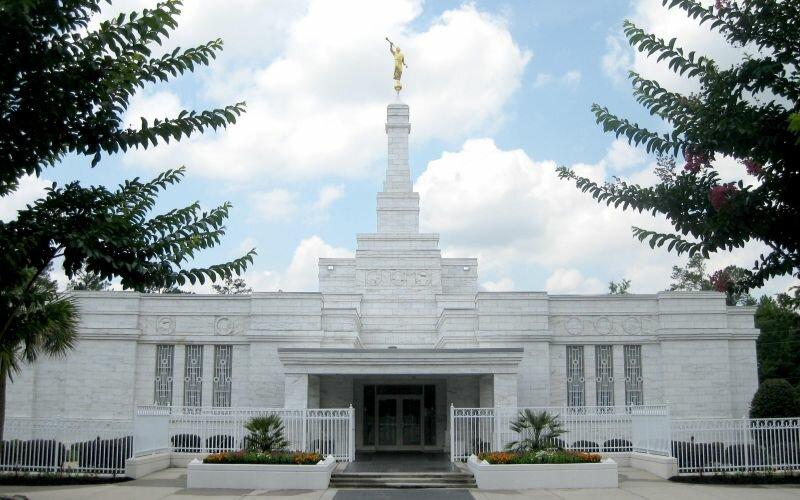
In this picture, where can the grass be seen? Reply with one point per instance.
(56, 479)
(551, 456)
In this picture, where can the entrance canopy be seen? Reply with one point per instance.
(324, 361)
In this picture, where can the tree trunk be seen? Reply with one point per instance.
(3, 379)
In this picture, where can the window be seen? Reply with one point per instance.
(193, 376)
(223, 355)
(604, 371)
(165, 355)
(575, 377)
(634, 394)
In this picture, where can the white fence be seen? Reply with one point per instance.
(722, 445)
(63, 444)
(589, 428)
(329, 431)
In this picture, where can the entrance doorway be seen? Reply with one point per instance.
(399, 417)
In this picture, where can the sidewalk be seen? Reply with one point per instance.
(171, 484)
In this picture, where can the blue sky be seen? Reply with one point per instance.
(499, 93)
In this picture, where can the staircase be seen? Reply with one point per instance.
(372, 480)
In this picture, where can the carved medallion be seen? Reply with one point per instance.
(632, 326)
(603, 325)
(224, 326)
(573, 326)
(165, 325)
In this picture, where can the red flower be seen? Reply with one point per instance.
(752, 166)
(694, 161)
(720, 280)
(721, 4)
(719, 195)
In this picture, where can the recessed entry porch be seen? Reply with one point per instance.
(401, 397)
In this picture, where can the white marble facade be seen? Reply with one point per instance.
(398, 314)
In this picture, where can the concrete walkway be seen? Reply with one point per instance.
(171, 484)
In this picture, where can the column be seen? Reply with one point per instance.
(178, 367)
(590, 374)
(313, 391)
(295, 388)
(619, 375)
(208, 375)
(505, 389)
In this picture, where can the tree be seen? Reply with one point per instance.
(691, 277)
(536, 430)
(728, 281)
(265, 434)
(46, 326)
(85, 280)
(775, 398)
(778, 345)
(747, 112)
(232, 286)
(65, 89)
(619, 288)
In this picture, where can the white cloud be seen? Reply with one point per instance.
(161, 104)
(30, 189)
(327, 195)
(514, 213)
(622, 156)
(572, 77)
(617, 60)
(302, 273)
(312, 109)
(277, 204)
(572, 281)
(501, 285)
(665, 23)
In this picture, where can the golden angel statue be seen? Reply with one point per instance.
(399, 63)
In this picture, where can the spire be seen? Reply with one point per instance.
(398, 205)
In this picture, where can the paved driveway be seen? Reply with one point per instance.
(171, 484)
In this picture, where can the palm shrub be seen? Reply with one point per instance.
(537, 430)
(265, 434)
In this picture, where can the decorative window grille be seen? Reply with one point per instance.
(165, 355)
(193, 376)
(575, 378)
(634, 393)
(223, 355)
(604, 371)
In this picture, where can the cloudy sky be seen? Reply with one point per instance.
(499, 94)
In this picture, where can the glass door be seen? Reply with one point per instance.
(387, 421)
(412, 421)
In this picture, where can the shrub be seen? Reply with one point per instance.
(584, 445)
(537, 430)
(103, 453)
(265, 434)
(186, 443)
(614, 445)
(775, 398)
(34, 452)
(251, 457)
(218, 443)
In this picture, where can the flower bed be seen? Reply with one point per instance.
(540, 457)
(275, 458)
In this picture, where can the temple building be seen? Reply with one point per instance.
(401, 334)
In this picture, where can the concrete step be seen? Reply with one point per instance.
(369, 480)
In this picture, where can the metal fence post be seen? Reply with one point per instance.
(304, 440)
(452, 433)
(746, 442)
(352, 440)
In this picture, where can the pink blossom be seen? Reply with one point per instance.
(752, 166)
(694, 161)
(721, 4)
(719, 195)
(720, 280)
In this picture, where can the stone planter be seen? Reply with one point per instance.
(534, 476)
(260, 477)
